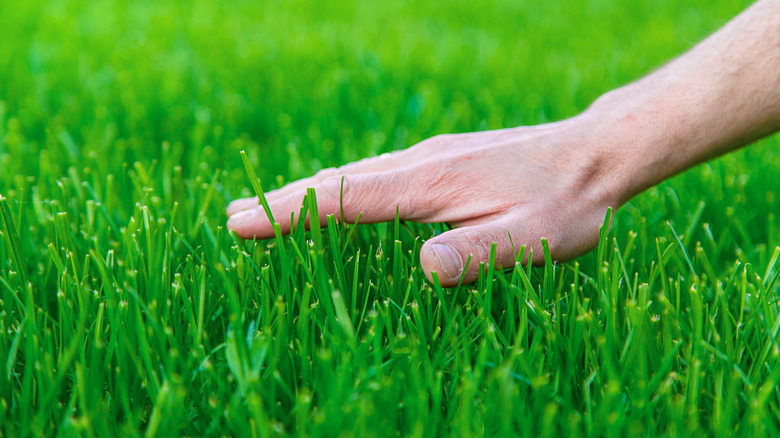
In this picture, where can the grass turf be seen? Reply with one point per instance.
(127, 309)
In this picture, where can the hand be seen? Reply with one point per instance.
(517, 186)
(512, 187)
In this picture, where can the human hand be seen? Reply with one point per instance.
(511, 186)
(556, 181)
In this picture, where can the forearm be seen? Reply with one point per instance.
(555, 181)
(722, 94)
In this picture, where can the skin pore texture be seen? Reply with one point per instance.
(556, 181)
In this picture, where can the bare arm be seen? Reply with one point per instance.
(556, 181)
(722, 94)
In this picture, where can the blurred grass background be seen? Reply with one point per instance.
(315, 83)
(95, 87)
(114, 114)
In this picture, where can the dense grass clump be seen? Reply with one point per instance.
(126, 308)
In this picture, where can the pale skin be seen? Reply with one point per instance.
(516, 186)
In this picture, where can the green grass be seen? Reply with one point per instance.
(126, 308)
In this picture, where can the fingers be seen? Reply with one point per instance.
(376, 196)
(242, 204)
(379, 163)
(446, 254)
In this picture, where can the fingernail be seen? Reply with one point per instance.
(333, 185)
(239, 219)
(449, 260)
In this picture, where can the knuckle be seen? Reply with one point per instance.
(326, 173)
(408, 207)
(445, 138)
(479, 244)
(431, 175)
(438, 143)
(443, 181)
(336, 185)
(417, 197)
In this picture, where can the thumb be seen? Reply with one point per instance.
(448, 253)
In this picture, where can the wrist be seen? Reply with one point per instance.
(632, 146)
(596, 155)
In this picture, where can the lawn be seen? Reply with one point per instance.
(127, 308)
